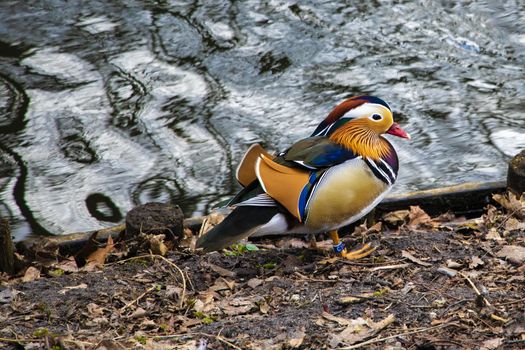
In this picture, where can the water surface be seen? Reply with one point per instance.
(106, 105)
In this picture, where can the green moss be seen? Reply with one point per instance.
(380, 292)
(141, 262)
(56, 272)
(141, 339)
(41, 332)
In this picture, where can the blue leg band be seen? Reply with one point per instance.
(339, 247)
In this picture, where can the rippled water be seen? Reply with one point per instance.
(106, 105)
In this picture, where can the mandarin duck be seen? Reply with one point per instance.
(320, 184)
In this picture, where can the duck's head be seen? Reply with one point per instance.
(358, 122)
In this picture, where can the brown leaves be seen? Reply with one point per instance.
(415, 218)
(513, 253)
(98, 257)
(514, 205)
(356, 330)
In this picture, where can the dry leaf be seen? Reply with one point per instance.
(297, 339)
(513, 253)
(359, 330)
(396, 218)
(340, 320)
(94, 309)
(511, 202)
(237, 306)
(475, 262)
(98, 257)
(493, 234)
(453, 264)
(407, 255)
(220, 270)
(157, 246)
(254, 283)
(418, 217)
(491, 344)
(31, 274)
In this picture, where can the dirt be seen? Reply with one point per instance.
(431, 284)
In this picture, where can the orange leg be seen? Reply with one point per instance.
(340, 249)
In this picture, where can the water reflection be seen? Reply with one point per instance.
(107, 105)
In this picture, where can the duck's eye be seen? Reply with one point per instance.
(377, 117)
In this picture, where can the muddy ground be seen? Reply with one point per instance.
(446, 283)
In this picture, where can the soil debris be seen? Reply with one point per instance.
(432, 283)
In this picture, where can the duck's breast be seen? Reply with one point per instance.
(344, 194)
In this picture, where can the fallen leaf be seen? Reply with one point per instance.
(157, 246)
(340, 320)
(98, 257)
(263, 307)
(212, 220)
(110, 345)
(514, 205)
(513, 253)
(94, 309)
(475, 262)
(297, 339)
(138, 313)
(237, 306)
(407, 255)
(31, 274)
(396, 218)
(220, 270)
(493, 234)
(491, 344)
(254, 282)
(418, 217)
(360, 329)
(453, 264)
(514, 224)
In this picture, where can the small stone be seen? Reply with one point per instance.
(446, 271)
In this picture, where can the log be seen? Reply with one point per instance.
(467, 199)
(7, 251)
(516, 174)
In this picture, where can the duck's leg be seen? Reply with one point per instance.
(339, 248)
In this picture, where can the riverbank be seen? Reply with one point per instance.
(446, 282)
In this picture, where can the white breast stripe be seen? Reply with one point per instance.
(389, 169)
(379, 170)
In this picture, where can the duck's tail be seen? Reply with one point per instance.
(242, 222)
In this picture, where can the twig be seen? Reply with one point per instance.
(20, 340)
(30, 340)
(151, 256)
(478, 293)
(137, 299)
(378, 340)
(389, 267)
